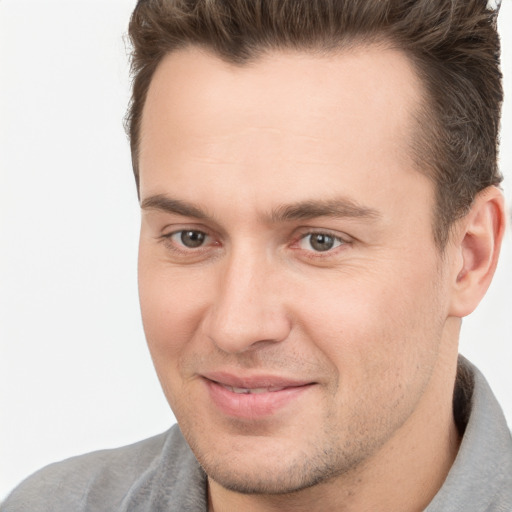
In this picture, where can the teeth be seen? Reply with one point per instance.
(252, 391)
(243, 391)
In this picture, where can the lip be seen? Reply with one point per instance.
(266, 394)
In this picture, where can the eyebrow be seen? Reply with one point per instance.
(337, 208)
(170, 205)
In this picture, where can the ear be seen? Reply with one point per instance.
(477, 244)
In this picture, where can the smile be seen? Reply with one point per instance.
(253, 398)
(253, 391)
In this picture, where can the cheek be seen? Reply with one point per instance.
(171, 307)
(170, 319)
(384, 346)
(376, 327)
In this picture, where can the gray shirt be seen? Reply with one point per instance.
(162, 474)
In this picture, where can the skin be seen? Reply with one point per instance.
(257, 160)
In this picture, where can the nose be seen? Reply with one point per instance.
(248, 309)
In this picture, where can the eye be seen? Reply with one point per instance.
(191, 239)
(319, 242)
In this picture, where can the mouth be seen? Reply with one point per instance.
(252, 391)
(253, 398)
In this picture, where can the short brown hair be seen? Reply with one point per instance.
(453, 44)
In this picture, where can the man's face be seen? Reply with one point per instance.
(293, 299)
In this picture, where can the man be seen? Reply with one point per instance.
(318, 185)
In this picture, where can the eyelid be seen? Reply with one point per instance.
(178, 227)
(306, 231)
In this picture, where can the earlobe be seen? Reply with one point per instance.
(478, 243)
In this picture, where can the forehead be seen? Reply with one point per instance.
(192, 81)
(281, 120)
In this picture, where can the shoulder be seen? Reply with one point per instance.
(125, 478)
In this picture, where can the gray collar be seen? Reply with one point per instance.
(480, 479)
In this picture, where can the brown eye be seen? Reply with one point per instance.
(191, 239)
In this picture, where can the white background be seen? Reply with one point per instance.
(75, 374)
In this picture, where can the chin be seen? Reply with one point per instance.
(265, 481)
(277, 474)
